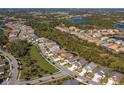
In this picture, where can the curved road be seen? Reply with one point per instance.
(70, 73)
(42, 79)
(14, 71)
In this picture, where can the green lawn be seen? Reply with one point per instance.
(89, 75)
(79, 69)
(35, 54)
(68, 65)
(42, 64)
(104, 80)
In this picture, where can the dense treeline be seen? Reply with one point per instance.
(18, 48)
(3, 40)
(99, 21)
(86, 50)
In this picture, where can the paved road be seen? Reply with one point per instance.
(43, 79)
(14, 71)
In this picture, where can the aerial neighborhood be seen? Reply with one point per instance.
(29, 54)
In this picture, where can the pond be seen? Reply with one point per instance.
(118, 38)
(78, 20)
(119, 26)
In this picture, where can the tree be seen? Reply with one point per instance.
(40, 75)
(51, 73)
(18, 48)
(52, 77)
(3, 40)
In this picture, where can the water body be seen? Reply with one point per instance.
(118, 38)
(1, 31)
(119, 26)
(78, 20)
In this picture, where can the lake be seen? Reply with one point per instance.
(78, 20)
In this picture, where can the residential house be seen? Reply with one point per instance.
(82, 31)
(53, 47)
(2, 63)
(105, 44)
(73, 28)
(110, 82)
(121, 49)
(111, 40)
(29, 30)
(1, 71)
(81, 63)
(97, 35)
(98, 43)
(64, 62)
(63, 29)
(116, 76)
(32, 38)
(104, 38)
(67, 55)
(88, 68)
(119, 42)
(13, 35)
(73, 67)
(113, 48)
(100, 73)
